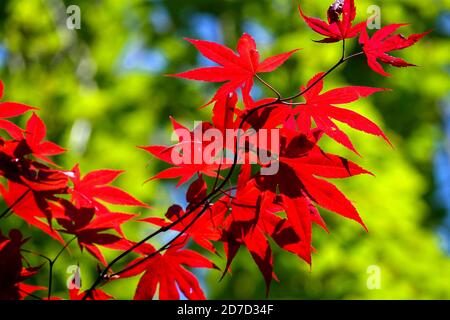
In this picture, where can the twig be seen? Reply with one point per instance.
(7, 210)
(52, 263)
(277, 93)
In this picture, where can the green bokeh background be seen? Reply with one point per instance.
(78, 79)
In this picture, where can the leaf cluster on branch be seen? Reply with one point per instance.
(236, 206)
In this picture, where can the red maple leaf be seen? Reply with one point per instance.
(206, 228)
(16, 167)
(95, 186)
(340, 22)
(35, 133)
(320, 107)
(32, 206)
(254, 219)
(90, 230)
(224, 111)
(382, 42)
(169, 271)
(237, 70)
(10, 110)
(187, 156)
(12, 273)
(301, 161)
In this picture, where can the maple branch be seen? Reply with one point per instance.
(216, 181)
(342, 60)
(36, 254)
(8, 210)
(30, 294)
(164, 247)
(343, 49)
(354, 55)
(224, 192)
(268, 86)
(103, 275)
(52, 263)
(216, 189)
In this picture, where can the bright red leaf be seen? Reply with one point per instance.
(187, 157)
(340, 22)
(31, 206)
(169, 271)
(10, 110)
(91, 233)
(320, 108)
(383, 41)
(95, 186)
(236, 69)
(34, 136)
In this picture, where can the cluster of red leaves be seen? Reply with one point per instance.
(53, 200)
(281, 207)
(256, 209)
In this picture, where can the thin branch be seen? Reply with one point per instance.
(227, 194)
(63, 249)
(354, 55)
(218, 170)
(8, 210)
(37, 254)
(164, 247)
(343, 49)
(268, 86)
(342, 60)
(30, 294)
(51, 265)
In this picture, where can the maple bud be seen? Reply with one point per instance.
(335, 10)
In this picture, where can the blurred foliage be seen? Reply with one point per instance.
(102, 91)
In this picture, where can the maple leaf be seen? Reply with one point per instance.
(340, 22)
(252, 221)
(206, 228)
(203, 231)
(90, 232)
(16, 167)
(300, 162)
(382, 42)
(10, 110)
(34, 136)
(224, 111)
(264, 118)
(320, 107)
(237, 70)
(31, 206)
(169, 271)
(188, 156)
(245, 226)
(94, 186)
(12, 273)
